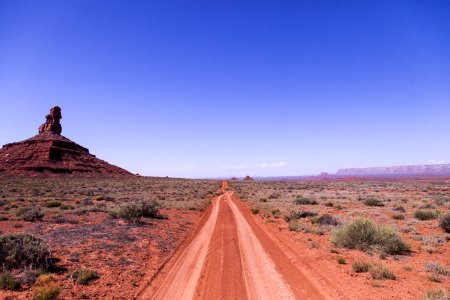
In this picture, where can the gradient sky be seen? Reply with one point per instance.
(220, 88)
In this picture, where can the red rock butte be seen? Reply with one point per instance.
(51, 153)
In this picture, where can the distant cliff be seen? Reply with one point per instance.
(443, 169)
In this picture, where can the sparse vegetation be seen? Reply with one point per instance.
(7, 281)
(45, 288)
(425, 214)
(373, 202)
(305, 201)
(444, 222)
(23, 250)
(365, 234)
(380, 272)
(361, 266)
(85, 276)
(30, 214)
(341, 261)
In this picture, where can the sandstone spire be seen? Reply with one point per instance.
(52, 121)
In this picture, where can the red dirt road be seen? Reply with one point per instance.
(231, 257)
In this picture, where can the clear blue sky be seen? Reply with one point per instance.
(219, 88)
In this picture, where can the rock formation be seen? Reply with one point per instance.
(442, 169)
(248, 178)
(52, 121)
(51, 153)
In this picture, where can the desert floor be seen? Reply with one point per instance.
(229, 240)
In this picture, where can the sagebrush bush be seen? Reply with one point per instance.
(84, 276)
(373, 202)
(293, 225)
(8, 282)
(24, 251)
(425, 214)
(438, 294)
(305, 201)
(53, 203)
(364, 234)
(381, 272)
(295, 215)
(361, 266)
(255, 210)
(444, 222)
(325, 219)
(30, 214)
(133, 212)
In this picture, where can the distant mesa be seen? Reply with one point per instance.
(248, 178)
(49, 152)
(233, 178)
(442, 169)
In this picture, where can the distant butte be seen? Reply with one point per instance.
(248, 178)
(49, 152)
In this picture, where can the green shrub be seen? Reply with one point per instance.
(276, 213)
(53, 203)
(398, 217)
(444, 222)
(325, 219)
(425, 214)
(295, 215)
(84, 276)
(130, 212)
(24, 250)
(361, 267)
(7, 281)
(30, 214)
(364, 234)
(255, 210)
(341, 261)
(373, 202)
(381, 272)
(150, 209)
(305, 201)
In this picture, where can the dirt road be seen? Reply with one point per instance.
(231, 257)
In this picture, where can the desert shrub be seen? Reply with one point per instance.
(325, 219)
(361, 267)
(45, 288)
(444, 222)
(24, 250)
(274, 196)
(437, 268)
(364, 234)
(130, 212)
(399, 209)
(66, 207)
(263, 200)
(381, 272)
(293, 225)
(398, 217)
(87, 201)
(84, 276)
(305, 201)
(434, 278)
(341, 260)
(438, 294)
(30, 214)
(105, 198)
(255, 210)
(295, 215)
(150, 209)
(7, 281)
(373, 202)
(276, 213)
(53, 203)
(329, 204)
(425, 214)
